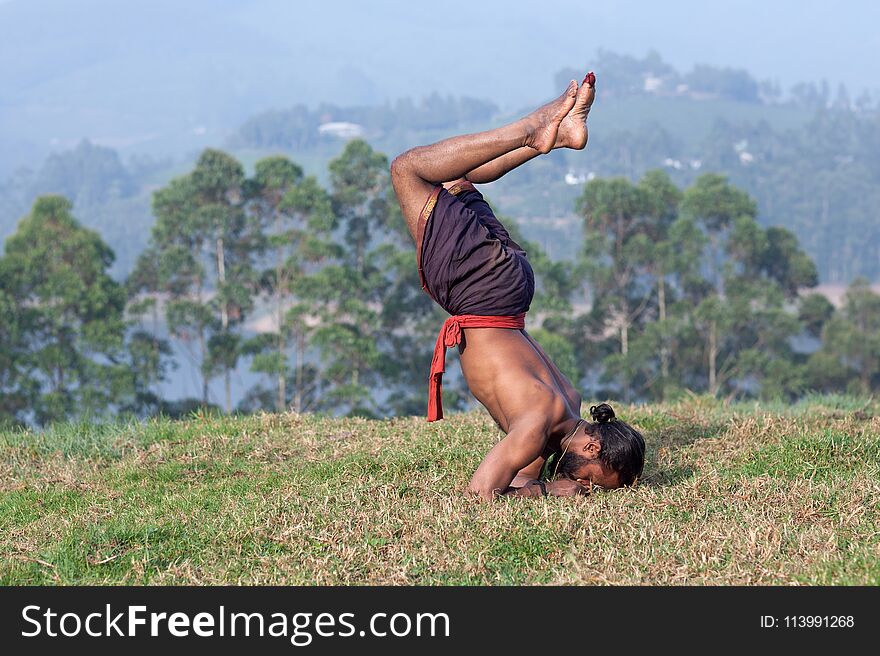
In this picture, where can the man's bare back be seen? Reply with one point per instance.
(508, 372)
(524, 392)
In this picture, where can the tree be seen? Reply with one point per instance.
(179, 279)
(217, 181)
(695, 292)
(743, 316)
(349, 290)
(850, 352)
(626, 256)
(69, 331)
(202, 246)
(715, 205)
(377, 328)
(17, 389)
(88, 174)
(149, 352)
(814, 312)
(613, 218)
(410, 321)
(295, 217)
(660, 256)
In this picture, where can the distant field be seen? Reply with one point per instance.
(739, 494)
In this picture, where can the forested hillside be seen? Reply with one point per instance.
(809, 155)
(311, 288)
(679, 253)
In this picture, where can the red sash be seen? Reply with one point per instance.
(450, 335)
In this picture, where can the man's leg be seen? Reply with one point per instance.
(416, 172)
(572, 134)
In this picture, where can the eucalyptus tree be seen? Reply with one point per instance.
(715, 205)
(295, 218)
(348, 292)
(203, 246)
(67, 325)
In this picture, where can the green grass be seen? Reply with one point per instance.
(732, 494)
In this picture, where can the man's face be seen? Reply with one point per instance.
(594, 472)
(581, 462)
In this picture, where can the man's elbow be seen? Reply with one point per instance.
(483, 493)
(487, 488)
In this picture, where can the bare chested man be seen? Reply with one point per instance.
(471, 267)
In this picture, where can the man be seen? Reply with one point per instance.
(472, 268)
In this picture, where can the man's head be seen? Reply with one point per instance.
(605, 452)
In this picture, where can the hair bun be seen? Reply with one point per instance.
(602, 413)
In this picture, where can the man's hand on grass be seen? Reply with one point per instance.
(566, 487)
(562, 487)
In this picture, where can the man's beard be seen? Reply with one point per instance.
(570, 464)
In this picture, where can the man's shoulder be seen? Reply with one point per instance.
(545, 400)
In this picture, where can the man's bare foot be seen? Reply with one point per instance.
(546, 120)
(573, 129)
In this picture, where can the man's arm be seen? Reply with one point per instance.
(524, 443)
(498, 474)
(527, 483)
(530, 472)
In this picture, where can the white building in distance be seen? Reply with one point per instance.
(341, 130)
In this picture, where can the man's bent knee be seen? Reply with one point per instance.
(400, 165)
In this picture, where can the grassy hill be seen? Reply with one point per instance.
(742, 494)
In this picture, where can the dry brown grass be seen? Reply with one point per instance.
(731, 495)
